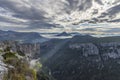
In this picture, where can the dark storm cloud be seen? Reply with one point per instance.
(79, 4)
(114, 10)
(21, 11)
(99, 2)
(47, 14)
(40, 24)
(8, 20)
(27, 10)
(89, 29)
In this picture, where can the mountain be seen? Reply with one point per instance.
(63, 34)
(26, 37)
(82, 58)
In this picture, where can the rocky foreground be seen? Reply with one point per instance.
(17, 62)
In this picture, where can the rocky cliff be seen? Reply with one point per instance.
(85, 58)
(106, 50)
(22, 48)
(16, 61)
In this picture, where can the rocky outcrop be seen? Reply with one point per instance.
(23, 49)
(107, 50)
(3, 68)
(87, 49)
(15, 61)
(89, 60)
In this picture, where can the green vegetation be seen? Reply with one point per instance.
(1, 51)
(21, 53)
(20, 69)
(43, 76)
(9, 55)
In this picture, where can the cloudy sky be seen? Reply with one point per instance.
(84, 16)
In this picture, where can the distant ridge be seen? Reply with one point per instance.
(25, 37)
(63, 34)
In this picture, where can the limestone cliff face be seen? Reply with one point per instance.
(29, 49)
(15, 56)
(23, 49)
(86, 61)
(106, 50)
(3, 68)
(87, 49)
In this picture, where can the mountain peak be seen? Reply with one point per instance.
(63, 34)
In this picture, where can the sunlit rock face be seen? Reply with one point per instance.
(88, 49)
(3, 68)
(23, 49)
(29, 49)
(106, 50)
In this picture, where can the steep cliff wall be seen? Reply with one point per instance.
(23, 49)
(86, 61)
(11, 56)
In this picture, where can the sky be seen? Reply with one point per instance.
(50, 16)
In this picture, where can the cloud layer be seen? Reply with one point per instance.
(53, 15)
